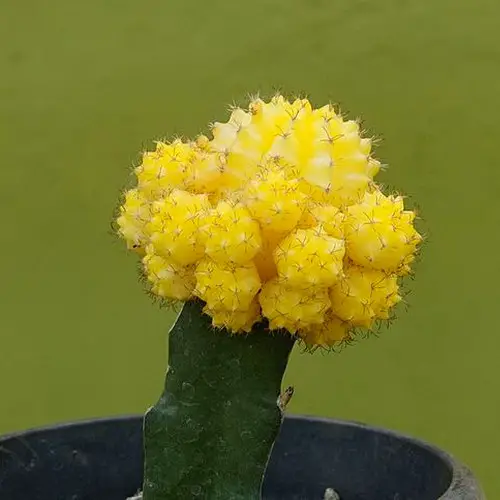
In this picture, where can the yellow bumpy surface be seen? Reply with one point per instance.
(275, 217)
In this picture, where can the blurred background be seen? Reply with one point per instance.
(86, 86)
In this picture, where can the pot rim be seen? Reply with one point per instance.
(462, 480)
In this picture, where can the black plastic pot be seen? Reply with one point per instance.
(102, 460)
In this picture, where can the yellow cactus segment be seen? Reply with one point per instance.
(275, 201)
(328, 156)
(226, 134)
(168, 279)
(239, 321)
(292, 308)
(226, 286)
(134, 213)
(237, 162)
(206, 172)
(266, 122)
(364, 295)
(331, 332)
(175, 228)
(165, 169)
(232, 234)
(379, 232)
(310, 257)
(330, 218)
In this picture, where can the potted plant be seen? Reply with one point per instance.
(271, 233)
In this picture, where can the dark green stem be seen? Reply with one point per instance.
(211, 433)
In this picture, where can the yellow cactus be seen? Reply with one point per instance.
(168, 279)
(274, 201)
(364, 295)
(309, 257)
(232, 235)
(380, 233)
(293, 308)
(275, 217)
(165, 169)
(226, 286)
(205, 171)
(175, 227)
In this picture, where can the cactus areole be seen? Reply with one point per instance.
(271, 231)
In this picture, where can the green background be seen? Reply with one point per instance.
(85, 86)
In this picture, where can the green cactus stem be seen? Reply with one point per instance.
(211, 432)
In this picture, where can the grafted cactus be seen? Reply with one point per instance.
(271, 231)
